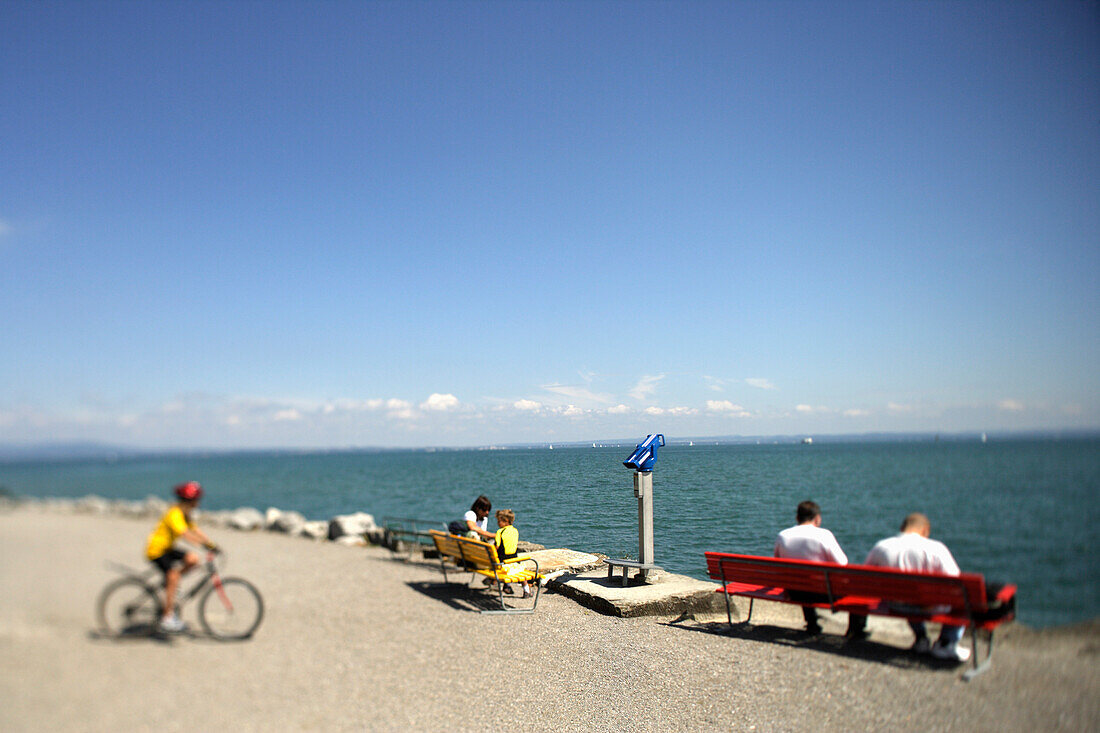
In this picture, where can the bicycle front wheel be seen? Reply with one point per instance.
(231, 610)
(128, 607)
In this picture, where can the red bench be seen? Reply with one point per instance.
(870, 591)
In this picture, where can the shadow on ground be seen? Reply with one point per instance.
(864, 649)
(159, 637)
(467, 598)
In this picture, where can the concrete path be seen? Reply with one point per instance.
(356, 640)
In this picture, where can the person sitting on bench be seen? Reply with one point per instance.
(477, 520)
(507, 543)
(807, 540)
(912, 550)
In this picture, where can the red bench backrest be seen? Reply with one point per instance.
(800, 575)
(963, 591)
(966, 590)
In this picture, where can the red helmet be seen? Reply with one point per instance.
(190, 491)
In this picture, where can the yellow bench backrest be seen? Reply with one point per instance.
(447, 544)
(480, 554)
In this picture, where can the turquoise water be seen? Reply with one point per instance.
(1022, 511)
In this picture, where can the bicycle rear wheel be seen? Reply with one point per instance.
(128, 607)
(233, 611)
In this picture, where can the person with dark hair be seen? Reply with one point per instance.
(914, 551)
(807, 540)
(477, 520)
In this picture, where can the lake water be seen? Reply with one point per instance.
(1022, 511)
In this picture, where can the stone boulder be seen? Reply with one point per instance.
(8, 500)
(154, 506)
(212, 518)
(59, 506)
(353, 525)
(92, 504)
(245, 518)
(314, 530)
(131, 509)
(277, 520)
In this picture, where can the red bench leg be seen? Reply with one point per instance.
(729, 611)
(977, 668)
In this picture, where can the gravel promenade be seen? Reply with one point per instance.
(354, 639)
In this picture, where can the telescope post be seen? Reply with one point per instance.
(643, 489)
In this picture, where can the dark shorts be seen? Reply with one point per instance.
(169, 560)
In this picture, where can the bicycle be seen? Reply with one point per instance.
(229, 608)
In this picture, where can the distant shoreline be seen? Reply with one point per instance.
(82, 451)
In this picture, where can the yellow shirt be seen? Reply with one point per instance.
(507, 541)
(171, 526)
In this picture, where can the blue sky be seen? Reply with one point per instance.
(253, 224)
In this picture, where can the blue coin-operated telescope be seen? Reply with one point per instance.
(642, 460)
(645, 455)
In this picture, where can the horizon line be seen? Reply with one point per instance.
(79, 448)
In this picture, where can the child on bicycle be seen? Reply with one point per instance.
(161, 550)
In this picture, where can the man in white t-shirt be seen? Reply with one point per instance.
(807, 540)
(912, 550)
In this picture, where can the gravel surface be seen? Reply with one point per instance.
(354, 639)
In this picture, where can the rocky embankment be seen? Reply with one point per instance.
(354, 529)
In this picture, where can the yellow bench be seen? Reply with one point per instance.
(480, 558)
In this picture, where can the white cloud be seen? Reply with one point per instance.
(345, 405)
(362, 405)
(287, 415)
(399, 409)
(759, 383)
(654, 411)
(896, 407)
(528, 405)
(439, 402)
(715, 384)
(578, 394)
(618, 410)
(1010, 405)
(725, 406)
(855, 412)
(682, 411)
(646, 386)
(572, 411)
